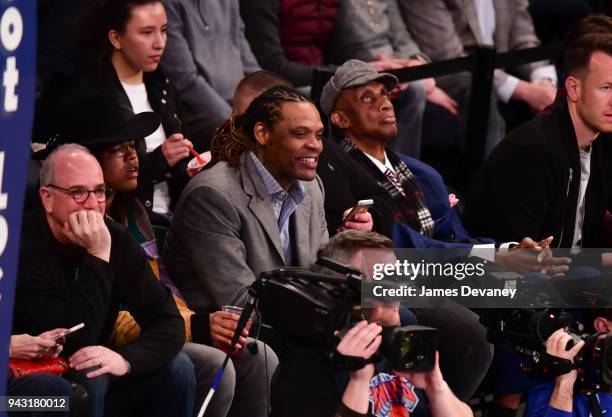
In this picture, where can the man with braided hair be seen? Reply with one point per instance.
(259, 207)
(341, 176)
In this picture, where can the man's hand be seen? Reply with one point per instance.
(549, 264)
(546, 83)
(606, 258)
(529, 243)
(431, 382)
(556, 346)
(407, 62)
(384, 62)
(430, 85)
(439, 97)
(24, 346)
(531, 256)
(86, 228)
(442, 401)
(362, 341)
(108, 361)
(562, 395)
(222, 327)
(175, 148)
(538, 94)
(361, 221)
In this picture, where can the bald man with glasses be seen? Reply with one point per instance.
(75, 267)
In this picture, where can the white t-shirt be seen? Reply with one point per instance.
(140, 103)
(585, 173)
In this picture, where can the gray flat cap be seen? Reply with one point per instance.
(352, 73)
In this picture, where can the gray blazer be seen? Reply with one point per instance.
(206, 56)
(224, 233)
(364, 29)
(445, 29)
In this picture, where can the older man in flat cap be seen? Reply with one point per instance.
(356, 99)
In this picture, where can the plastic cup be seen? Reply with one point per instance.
(194, 166)
(235, 352)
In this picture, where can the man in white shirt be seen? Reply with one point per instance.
(566, 191)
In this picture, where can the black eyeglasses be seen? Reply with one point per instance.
(80, 194)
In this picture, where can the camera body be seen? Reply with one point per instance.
(527, 330)
(298, 305)
(596, 359)
(310, 308)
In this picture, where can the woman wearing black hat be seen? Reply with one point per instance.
(111, 132)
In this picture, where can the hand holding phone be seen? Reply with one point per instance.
(361, 207)
(68, 331)
(357, 217)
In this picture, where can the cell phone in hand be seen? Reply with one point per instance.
(362, 206)
(68, 331)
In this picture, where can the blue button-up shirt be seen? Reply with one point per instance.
(284, 204)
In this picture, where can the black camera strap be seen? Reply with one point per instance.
(352, 363)
(556, 366)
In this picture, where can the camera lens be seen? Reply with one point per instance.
(411, 348)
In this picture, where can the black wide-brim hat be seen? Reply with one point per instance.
(98, 121)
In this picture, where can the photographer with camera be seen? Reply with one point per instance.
(307, 383)
(560, 398)
(363, 340)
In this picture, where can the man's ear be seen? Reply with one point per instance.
(339, 120)
(46, 199)
(261, 133)
(601, 325)
(115, 39)
(573, 86)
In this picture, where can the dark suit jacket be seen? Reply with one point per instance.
(224, 234)
(529, 185)
(346, 183)
(449, 233)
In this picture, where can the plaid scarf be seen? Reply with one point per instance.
(411, 206)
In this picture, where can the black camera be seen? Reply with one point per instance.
(596, 359)
(410, 348)
(311, 307)
(526, 330)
